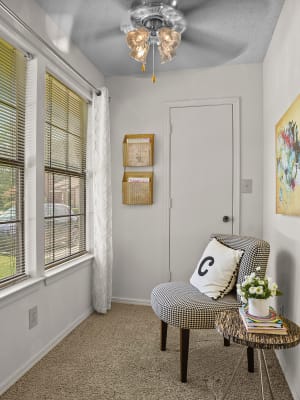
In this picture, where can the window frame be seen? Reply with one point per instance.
(18, 162)
(42, 60)
(70, 173)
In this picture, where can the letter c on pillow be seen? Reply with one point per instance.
(211, 262)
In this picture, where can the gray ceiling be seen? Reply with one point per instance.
(218, 32)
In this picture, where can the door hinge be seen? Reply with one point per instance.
(170, 202)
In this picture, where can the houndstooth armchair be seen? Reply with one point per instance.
(182, 305)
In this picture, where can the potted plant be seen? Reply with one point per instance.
(256, 291)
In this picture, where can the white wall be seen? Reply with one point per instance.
(63, 300)
(281, 77)
(32, 14)
(62, 304)
(137, 106)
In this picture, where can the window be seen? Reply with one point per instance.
(12, 128)
(65, 180)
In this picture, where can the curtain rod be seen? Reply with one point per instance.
(45, 43)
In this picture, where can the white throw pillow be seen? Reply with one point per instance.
(216, 272)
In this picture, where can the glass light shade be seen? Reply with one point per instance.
(137, 41)
(166, 55)
(169, 35)
(140, 53)
(169, 40)
(137, 37)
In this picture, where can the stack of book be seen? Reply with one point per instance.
(271, 325)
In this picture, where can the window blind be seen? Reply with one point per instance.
(12, 135)
(65, 178)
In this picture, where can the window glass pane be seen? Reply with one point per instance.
(65, 138)
(7, 192)
(12, 117)
(61, 194)
(61, 238)
(47, 145)
(77, 195)
(11, 256)
(78, 233)
(75, 115)
(49, 241)
(8, 132)
(48, 199)
(75, 154)
(59, 143)
(59, 105)
(8, 250)
(8, 81)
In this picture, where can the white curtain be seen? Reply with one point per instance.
(102, 204)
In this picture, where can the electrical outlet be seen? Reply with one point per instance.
(32, 317)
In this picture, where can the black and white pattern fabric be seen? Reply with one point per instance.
(181, 304)
(256, 254)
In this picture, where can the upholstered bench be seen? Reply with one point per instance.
(184, 306)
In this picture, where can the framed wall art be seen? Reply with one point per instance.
(287, 138)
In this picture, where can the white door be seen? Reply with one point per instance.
(201, 182)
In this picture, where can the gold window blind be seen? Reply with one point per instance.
(65, 173)
(12, 136)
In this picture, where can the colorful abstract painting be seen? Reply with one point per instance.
(288, 161)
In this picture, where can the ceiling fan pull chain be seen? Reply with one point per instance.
(153, 73)
(143, 67)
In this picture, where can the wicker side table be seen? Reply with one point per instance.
(230, 325)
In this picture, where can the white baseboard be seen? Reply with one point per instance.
(284, 368)
(37, 357)
(140, 302)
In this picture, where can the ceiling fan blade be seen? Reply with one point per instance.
(213, 43)
(188, 7)
(128, 4)
(102, 35)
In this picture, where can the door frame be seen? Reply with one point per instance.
(168, 106)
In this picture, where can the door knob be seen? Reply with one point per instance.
(226, 218)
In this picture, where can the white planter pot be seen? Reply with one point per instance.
(258, 307)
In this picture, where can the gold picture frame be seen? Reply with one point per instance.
(287, 138)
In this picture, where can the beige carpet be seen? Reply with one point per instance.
(116, 356)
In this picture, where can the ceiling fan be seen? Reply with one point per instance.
(153, 24)
(156, 29)
(209, 32)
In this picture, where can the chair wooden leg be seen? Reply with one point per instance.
(250, 358)
(226, 341)
(163, 335)
(184, 352)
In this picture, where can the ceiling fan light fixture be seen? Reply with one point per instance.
(156, 24)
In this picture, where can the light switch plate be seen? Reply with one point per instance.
(246, 186)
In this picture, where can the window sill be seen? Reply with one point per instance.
(56, 273)
(19, 290)
(15, 292)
